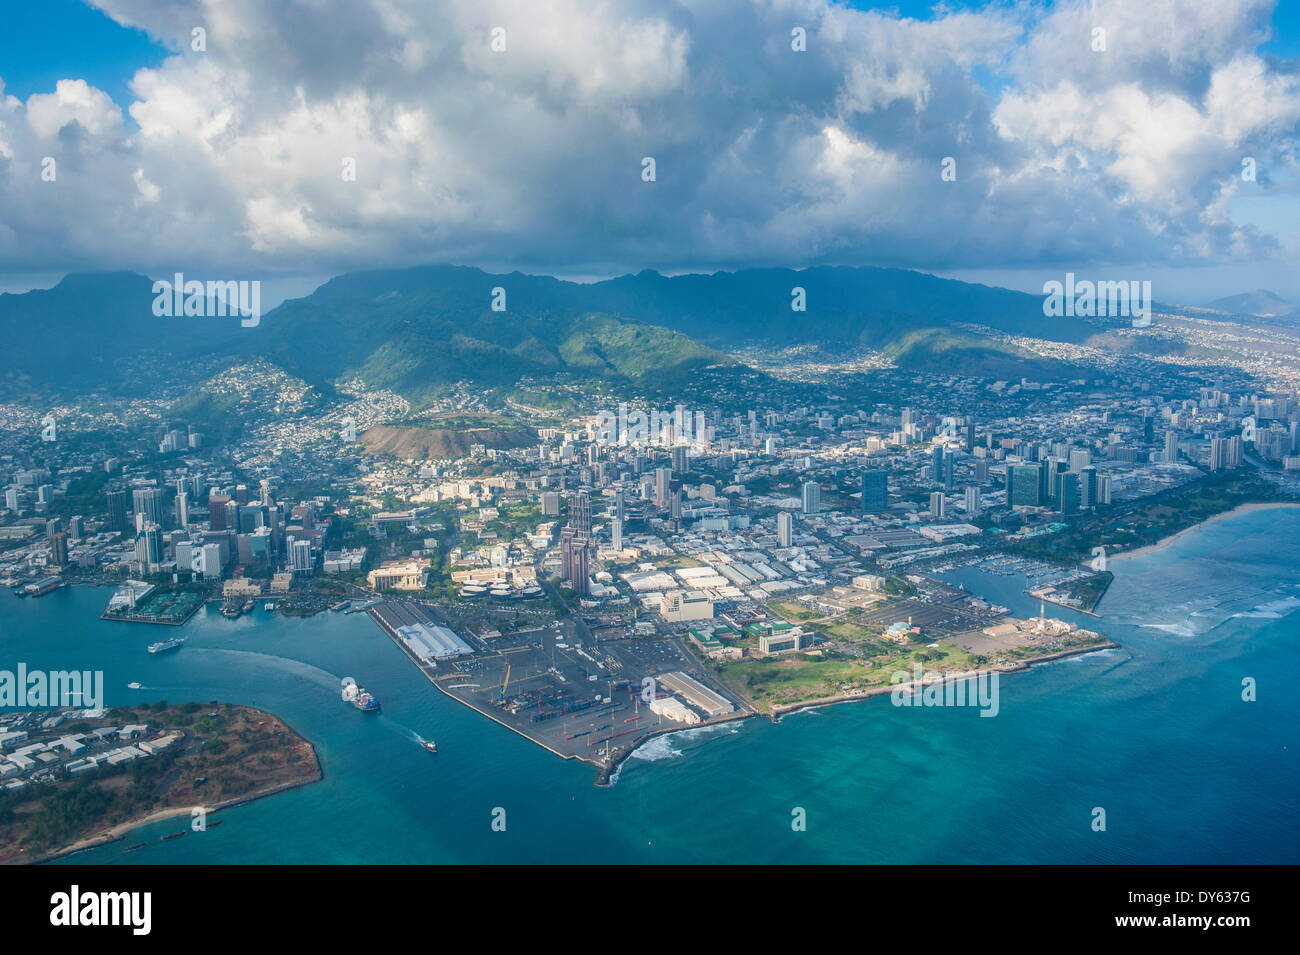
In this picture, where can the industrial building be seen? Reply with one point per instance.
(696, 693)
(418, 632)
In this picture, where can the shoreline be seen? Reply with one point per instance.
(119, 831)
(1018, 667)
(1222, 515)
(776, 714)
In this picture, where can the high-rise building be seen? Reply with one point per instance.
(1088, 487)
(580, 514)
(875, 491)
(218, 511)
(1024, 485)
(575, 559)
(300, 555)
(117, 511)
(182, 509)
(149, 548)
(1218, 454)
(616, 533)
(1103, 488)
(148, 505)
(681, 463)
(785, 528)
(812, 497)
(972, 501)
(938, 505)
(59, 549)
(663, 480)
(1067, 492)
(1171, 446)
(550, 504)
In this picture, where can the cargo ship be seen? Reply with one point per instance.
(360, 698)
(165, 645)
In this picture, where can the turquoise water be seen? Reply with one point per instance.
(1156, 733)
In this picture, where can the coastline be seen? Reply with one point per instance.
(1019, 667)
(776, 714)
(119, 831)
(1223, 515)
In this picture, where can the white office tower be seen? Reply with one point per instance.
(937, 506)
(616, 533)
(210, 561)
(1171, 446)
(972, 499)
(1080, 459)
(663, 477)
(812, 497)
(785, 528)
(300, 556)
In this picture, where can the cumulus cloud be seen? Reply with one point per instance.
(531, 156)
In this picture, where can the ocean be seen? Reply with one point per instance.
(1155, 733)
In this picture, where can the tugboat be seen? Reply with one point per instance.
(360, 698)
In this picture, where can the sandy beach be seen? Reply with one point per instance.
(1165, 542)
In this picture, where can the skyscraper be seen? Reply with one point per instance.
(938, 506)
(1024, 485)
(148, 505)
(972, 502)
(1067, 492)
(785, 528)
(59, 549)
(663, 479)
(875, 491)
(580, 514)
(681, 464)
(117, 511)
(575, 562)
(616, 533)
(812, 497)
(1088, 487)
(1171, 446)
(217, 510)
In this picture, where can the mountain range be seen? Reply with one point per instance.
(418, 330)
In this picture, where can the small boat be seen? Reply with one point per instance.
(135, 686)
(430, 746)
(269, 606)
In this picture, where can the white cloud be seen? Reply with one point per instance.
(532, 157)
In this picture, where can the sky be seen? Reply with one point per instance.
(125, 144)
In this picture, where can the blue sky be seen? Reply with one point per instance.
(831, 165)
(49, 40)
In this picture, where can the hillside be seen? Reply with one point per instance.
(414, 444)
(418, 331)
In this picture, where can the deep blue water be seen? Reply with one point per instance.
(1156, 733)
